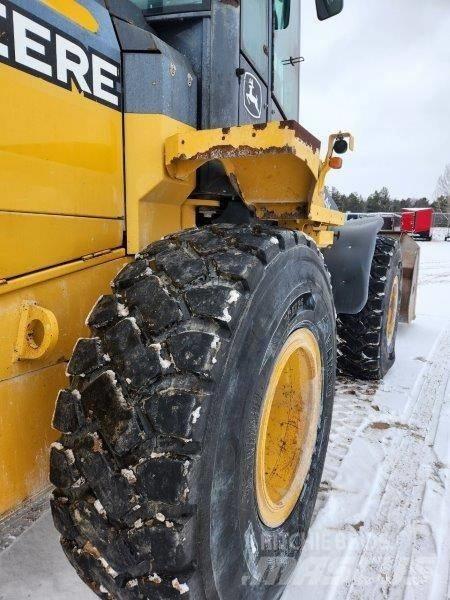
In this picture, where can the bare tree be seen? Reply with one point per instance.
(443, 187)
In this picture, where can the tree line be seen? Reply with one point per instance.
(381, 200)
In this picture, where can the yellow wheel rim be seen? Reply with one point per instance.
(392, 311)
(289, 421)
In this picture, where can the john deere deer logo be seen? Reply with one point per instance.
(252, 96)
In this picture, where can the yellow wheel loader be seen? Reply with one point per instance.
(163, 212)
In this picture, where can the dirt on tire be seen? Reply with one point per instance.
(154, 394)
(363, 348)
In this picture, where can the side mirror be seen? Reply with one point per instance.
(328, 8)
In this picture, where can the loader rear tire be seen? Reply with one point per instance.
(159, 493)
(366, 341)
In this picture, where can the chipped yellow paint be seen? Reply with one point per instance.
(274, 169)
(245, 152)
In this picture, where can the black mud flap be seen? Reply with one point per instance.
(349, 261)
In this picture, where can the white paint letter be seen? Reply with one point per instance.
(100, 80)
(3, 48)
(79, 68)
(22, 43)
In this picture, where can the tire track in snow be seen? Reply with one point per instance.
(352, 406)
(384, 565)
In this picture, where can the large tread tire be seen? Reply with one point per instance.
(363, 348)
(153, 472)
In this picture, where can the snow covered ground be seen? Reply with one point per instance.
(382, 522)
(382, 526)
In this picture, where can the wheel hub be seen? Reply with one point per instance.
(289, 421)
(392, 311)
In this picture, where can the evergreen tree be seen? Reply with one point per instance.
(352, 203)
(379, 201)
(442, 204)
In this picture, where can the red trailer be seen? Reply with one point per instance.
(418, 222)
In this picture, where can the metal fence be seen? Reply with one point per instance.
(441, 219)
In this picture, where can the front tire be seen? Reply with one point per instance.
(156, 470)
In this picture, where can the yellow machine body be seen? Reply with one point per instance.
(62, 224)
(67, 226)
(275, 168)
(28, 383)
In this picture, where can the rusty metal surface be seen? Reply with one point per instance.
(274, 214)
(274, 167)
(411, 259)
(242, 151)
(302, 134)
(410, 274)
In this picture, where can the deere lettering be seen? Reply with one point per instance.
(41, 50)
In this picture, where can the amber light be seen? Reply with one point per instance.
(335, 162)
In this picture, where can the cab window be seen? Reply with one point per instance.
(282, 13)
(172, 6)
(255, 34)
(286, 56)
